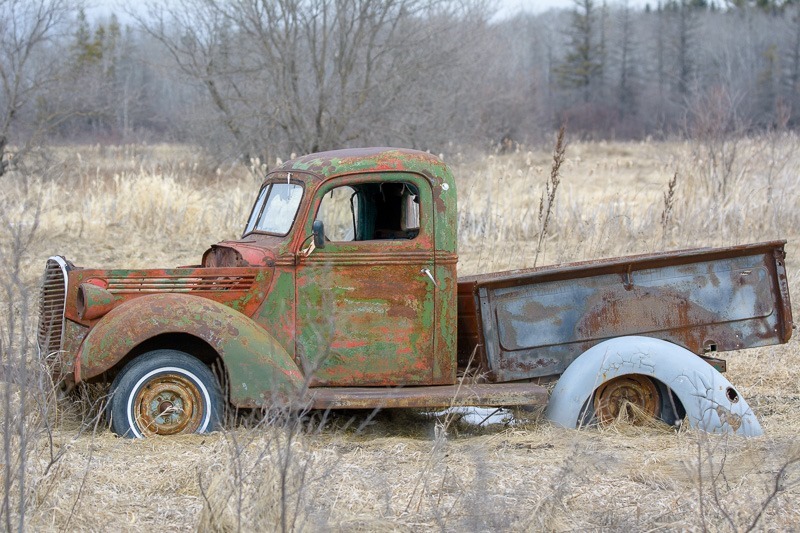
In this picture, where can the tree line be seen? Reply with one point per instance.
(265, 78)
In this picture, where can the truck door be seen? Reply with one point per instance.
(365, 302)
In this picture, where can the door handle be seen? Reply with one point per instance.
(427, 272)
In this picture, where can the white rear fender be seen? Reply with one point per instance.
(711, 402)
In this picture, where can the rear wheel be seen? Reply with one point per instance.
(632, 397)
(164, 392)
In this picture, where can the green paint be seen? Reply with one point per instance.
(365, 324)
(258, 367)
(358, 323)
(276, 313)
(331, 164)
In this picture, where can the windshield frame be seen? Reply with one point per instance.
(262, 199)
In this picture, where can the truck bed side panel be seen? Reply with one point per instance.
(535, 323)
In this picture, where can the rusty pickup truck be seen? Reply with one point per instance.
(343, 293)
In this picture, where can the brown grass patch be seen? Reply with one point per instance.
(162, 206)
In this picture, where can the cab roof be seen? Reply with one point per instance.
(327, 165)
(333, 163)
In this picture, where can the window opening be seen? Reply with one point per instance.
(371, 211)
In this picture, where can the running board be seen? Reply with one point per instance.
(485, 394)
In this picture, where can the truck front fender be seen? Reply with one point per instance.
(711, 402)
(257, 366)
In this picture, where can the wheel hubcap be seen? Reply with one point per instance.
(168, 405)
(628, 396)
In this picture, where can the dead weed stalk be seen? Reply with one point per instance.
(719, 502)
(547, 200)
(666, 213)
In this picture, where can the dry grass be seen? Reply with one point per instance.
(142, 206)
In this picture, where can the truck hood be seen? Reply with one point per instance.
(238, 254)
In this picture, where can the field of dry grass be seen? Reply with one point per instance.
(144, 206)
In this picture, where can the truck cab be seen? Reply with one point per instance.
(370, 301)
(374, 303)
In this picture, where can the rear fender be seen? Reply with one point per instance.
(257, 366)
(711, 402)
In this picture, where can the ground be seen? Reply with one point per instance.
(158, 206)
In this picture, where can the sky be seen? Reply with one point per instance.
(103, 8)
(538, 6)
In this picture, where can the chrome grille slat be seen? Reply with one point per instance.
(52, 302)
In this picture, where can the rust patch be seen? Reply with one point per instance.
(489, 395)
(616, 396)
(729, 418)
(534, 323)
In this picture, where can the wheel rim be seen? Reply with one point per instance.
(632, 394)
(168, 405)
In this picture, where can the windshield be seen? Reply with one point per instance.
(275, 208)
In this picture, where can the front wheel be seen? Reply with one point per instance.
(164, 392)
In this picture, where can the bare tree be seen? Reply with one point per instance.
(602, 47)
(309, 75)
(29, 65)
(661, 71)
(792, 70)
(718, 134)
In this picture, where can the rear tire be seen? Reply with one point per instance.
(164, 392)
(639, 396)
(629, 397)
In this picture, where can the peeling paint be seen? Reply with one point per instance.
(535, 322)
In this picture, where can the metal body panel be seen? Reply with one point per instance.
(711, 402)
(276, 314)
(241, 288)
(535, 323)
(489, 395)
(258, 369)
(358, 165)
(366, 309)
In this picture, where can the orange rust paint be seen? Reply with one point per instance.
(624, 395)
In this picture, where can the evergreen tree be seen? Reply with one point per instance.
(582, 66)
(625, 90)
(86, 51)
(767, 88)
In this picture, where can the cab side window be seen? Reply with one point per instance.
(337, 212)
(371, 211)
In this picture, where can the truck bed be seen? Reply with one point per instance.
(533, 323)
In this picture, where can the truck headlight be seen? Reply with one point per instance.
(93, 301)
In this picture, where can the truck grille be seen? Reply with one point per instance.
(52, 301)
